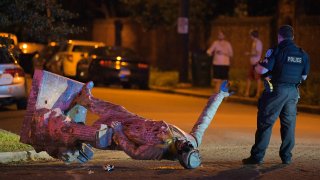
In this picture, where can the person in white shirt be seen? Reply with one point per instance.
(221, 50)
(255, 56)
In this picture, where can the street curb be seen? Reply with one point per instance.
(237, 99)
(180, 91)
(8, 157)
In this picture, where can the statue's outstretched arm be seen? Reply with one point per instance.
(100, 107)
(208, 112)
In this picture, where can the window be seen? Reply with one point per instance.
(5, 57)
(82, 48)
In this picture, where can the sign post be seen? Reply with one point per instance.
(183, 31)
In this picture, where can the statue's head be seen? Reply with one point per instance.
(188, 156)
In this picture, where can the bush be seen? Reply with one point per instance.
(238, 77)
(309, 90)
(163, 78)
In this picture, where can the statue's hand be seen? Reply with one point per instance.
(224, 88)
(116, 125)
(118, 133)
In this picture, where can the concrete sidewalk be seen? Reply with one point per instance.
(207, 92)
(9, 157)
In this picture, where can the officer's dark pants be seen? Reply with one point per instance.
(281, 103)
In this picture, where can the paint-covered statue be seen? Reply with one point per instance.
(64, 135)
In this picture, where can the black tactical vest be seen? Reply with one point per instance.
(290, 61)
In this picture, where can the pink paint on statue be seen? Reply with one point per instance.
(48, 128)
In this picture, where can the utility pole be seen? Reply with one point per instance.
(286, 12)
(183, 31)
(118, 28)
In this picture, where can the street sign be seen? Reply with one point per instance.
(183, 25)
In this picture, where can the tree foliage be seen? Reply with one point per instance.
(38, 19)
(152, 13)
(155, 13)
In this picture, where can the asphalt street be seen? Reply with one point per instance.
(226, 142)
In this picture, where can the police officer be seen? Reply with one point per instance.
(284, 67)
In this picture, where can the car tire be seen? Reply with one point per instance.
(32, 70)
(126, 85)
(78, 76)
(144, 85)
(21, 104)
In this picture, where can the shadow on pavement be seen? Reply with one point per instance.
(246, 172)
(7, 108)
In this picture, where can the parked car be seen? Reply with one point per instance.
(112, 64)
(10, 36)
(28, 51)
(40, 59)
(65, 61)
(12, 80)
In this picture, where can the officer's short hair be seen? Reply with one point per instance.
(254, 33)
(286, 31)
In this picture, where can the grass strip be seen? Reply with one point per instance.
(9, 142)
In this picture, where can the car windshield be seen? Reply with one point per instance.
(49, 51)
(114, 51)
(82, 48)
(5, 58)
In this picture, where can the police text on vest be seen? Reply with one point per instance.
(292, 59)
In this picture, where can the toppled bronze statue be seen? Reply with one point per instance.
(61, 131)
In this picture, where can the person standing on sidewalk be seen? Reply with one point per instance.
(285, 66)
(255, 56)
(221, 50)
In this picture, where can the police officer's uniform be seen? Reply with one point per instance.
(286, 63)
